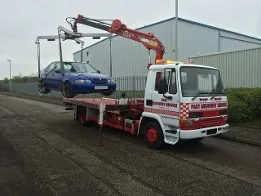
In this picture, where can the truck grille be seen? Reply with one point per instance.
(210, 122)
(99, 81)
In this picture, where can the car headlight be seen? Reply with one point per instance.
(82, 81)
(111, 81)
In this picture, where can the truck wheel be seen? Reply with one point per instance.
(82, 118)
(153, 135)
(67, 89)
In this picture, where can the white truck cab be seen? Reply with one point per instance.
(183, 101)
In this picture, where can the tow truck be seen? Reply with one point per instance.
(182, 101)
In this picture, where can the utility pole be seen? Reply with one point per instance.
(176, 31)
(110, 39)
(82, 52)
(10, 80)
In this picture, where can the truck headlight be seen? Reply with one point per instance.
(187, 122)
(82, 81)
(225, 118)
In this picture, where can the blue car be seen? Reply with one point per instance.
(78, 78)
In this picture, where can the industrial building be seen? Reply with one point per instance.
(130, 58)
(239, 68)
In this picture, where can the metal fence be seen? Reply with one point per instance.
(136, 83)
(134, 87)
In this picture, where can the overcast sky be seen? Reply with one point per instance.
(23, 21)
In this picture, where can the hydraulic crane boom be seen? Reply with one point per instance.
(117, 27)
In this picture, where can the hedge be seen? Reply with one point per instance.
(244, 104)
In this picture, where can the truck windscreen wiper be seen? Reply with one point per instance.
(214, 94)
(200, 93)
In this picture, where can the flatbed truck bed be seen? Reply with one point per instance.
(108, 112)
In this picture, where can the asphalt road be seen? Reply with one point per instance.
(65, 159)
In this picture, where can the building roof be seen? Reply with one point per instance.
(180, 19)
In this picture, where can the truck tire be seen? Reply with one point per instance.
(82, 118)
(153, 135)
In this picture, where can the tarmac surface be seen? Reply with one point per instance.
(63, 158)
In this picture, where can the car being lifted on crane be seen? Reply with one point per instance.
(78, 78)
(182, 101)
(73, 78)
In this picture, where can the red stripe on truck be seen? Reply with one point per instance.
(161, 111)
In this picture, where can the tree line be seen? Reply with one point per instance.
(21, 79)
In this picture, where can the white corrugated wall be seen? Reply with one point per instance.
(238, 68)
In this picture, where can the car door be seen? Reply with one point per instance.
(56, 76)
(46, 75)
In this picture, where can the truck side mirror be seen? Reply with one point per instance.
(162, 89)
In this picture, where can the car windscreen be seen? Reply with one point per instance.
(79, 67)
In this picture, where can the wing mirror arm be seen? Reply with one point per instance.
(163, 89)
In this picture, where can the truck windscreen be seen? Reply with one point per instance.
(197, 81)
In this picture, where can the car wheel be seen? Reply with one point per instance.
(42, 88)
(67, 89)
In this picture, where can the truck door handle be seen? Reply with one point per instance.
(168, 97)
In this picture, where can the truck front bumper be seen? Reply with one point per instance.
(204, 132)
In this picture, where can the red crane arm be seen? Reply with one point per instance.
(117, 27)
